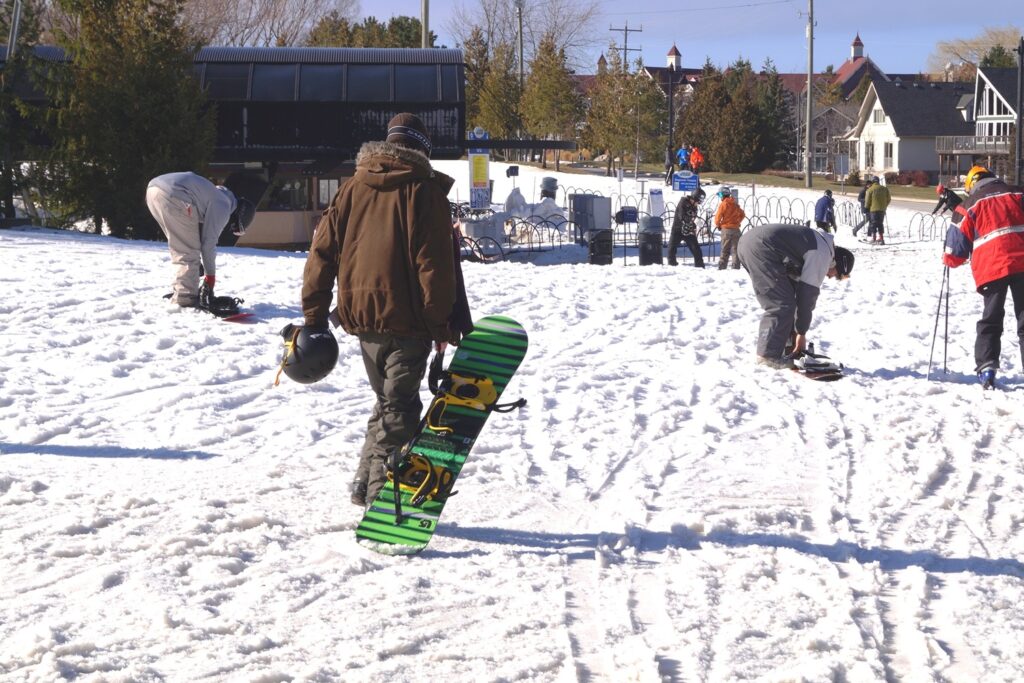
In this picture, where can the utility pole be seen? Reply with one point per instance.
(522, 84)
(425, 23)
(625, 42)
(1018, 173)
(808, 148)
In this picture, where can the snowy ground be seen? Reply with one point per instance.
(662, 510)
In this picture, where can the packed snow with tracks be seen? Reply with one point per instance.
(662, 510)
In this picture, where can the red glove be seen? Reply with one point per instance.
(952, 261)
(209, 280)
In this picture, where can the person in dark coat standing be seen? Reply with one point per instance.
(386, 241)
(684, 228)
(991, 235)
(670, 164)
(787, 265)
(825, 212)
(948, 199)
(862, 201)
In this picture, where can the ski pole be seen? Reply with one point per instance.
(945, 334)
(938, 310)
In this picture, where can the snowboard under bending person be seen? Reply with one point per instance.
(787, 265)
(991, 235)
(192, 212)
(684, 228)
(386, 240)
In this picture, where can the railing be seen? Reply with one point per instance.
(973, 144)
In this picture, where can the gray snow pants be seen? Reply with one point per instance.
(775, 291)
(181, 226)
(395, 367)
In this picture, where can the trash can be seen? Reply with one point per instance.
(649, 239)
(599, 247)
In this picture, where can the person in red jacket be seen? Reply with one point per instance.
(991, 235)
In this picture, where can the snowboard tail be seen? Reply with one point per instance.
(475, 379)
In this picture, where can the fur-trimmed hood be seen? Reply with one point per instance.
(384, 165)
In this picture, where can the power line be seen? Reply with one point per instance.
(700, 9)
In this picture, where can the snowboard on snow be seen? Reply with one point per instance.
(226, 308)
(403, 517)
(817, 366)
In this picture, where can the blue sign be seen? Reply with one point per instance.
(686, 181)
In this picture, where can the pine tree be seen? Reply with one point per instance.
(475, 52)
(499, 96)
(127, 109)
(700, 124)
(333, 30)
(775, 117)
(551, 104)
(607, 129)
(738, 144)
(15, 116)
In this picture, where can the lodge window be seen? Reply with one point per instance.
(369, 83)
(273, 82)
(415, 83)
(321, 82)
(227, 81)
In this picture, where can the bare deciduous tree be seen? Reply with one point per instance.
(569, 22)
(949, 54)
(260, 22)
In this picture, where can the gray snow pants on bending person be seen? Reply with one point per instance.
(775, 291)
(180, 225)
(395, 367)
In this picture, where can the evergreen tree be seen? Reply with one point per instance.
(607, 129)
(998, 57)
(15, 116)
(127, 108)
(700, 124)
(738, 144)
(775, 117)
(499, 96)
(551, 104)
(475, 52)
(333, 30)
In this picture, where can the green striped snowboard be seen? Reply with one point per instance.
(489, 354)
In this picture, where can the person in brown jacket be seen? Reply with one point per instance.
(728, 219)
(387, 241)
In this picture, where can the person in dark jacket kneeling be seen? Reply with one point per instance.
(787, 264)
(387, 241)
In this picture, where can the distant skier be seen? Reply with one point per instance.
(861, 201)
(825, 212)
(991, 235)
(696, 159)
(787, 265)
(192, 212)
(948, 199)
(684, 228)
(728, 219)
(876, 201)
(683, 157)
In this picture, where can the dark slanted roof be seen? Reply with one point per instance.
(296, 55)
(329, 55)
(660, 74)
(924, 109)
(1004, 80)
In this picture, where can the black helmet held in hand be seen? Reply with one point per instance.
(844, 263)
(242, 216)
(310, 353)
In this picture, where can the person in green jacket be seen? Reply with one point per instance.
(877, 201)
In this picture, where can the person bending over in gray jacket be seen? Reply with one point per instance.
(192, 212)
(787, 264)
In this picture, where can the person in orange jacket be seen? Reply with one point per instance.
(728, 219)
(696, 159)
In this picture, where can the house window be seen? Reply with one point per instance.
(887, 155)
(878, 116)
(869, 155)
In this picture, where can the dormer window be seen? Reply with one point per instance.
(878, 116)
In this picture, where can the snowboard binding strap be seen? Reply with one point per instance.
(423, 480)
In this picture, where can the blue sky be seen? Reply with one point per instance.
(899, 35)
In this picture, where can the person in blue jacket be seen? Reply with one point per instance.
(683, 157)
(825, 212)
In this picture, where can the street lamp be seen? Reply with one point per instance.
(671, 104)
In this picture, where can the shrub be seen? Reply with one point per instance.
(920, 178)
(853, 178)
(891, 177)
